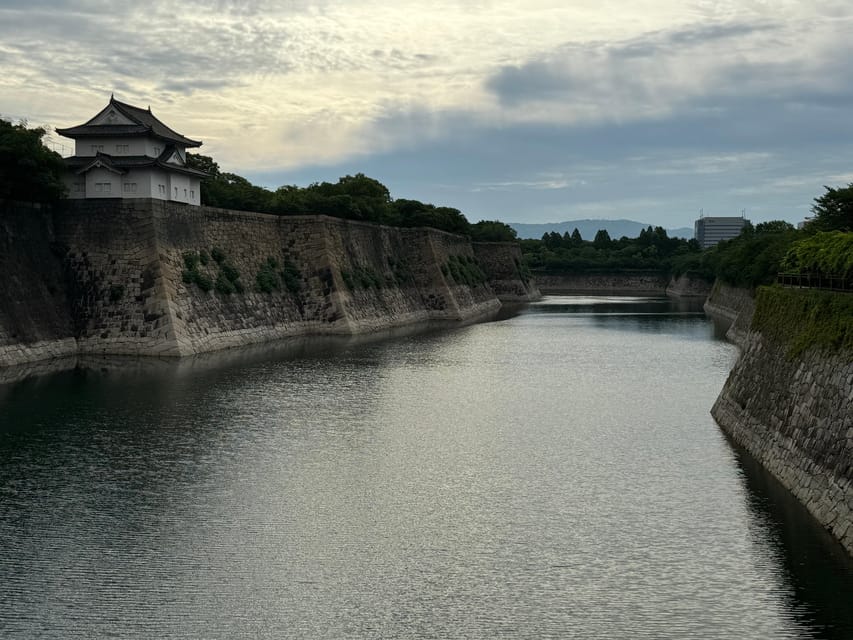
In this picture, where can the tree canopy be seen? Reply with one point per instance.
(833, 211)
(355, 197)
(29, 171)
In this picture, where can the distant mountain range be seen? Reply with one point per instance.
(588, 228)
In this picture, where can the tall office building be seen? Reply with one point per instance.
(710, 230)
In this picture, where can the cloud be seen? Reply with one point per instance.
(538, 108)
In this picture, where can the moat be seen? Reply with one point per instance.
(554, 474)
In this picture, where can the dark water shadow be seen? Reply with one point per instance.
(818, 569)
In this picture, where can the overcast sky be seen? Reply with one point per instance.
(526, 111)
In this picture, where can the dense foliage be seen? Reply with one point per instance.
(826, 252)
(355, 197)
(753, 258)
(652, 250)
(833, 211)
(29, 171)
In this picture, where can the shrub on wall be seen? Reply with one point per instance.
(227, 278)
(292, 277)
(267, 279)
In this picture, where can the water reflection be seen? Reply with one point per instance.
(814, 567)
(553, 474)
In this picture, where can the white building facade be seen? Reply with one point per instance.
(126, 152)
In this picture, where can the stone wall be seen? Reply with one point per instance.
(639, 284)
(736, 306)
(685, 286)
(148, 277)
(795, 415)
(510, 281)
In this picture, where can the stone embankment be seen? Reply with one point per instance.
(685, 286)
(145, 277)
(794, 414)
(734, 304)
(629, 284)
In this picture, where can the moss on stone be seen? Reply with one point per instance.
(803, 318)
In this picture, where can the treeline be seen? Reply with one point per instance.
(653, 249)
(357, 197)
(755, 257)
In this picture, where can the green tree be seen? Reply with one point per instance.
(602, 239)
(492, 231)
(29, 171)
(833, 211)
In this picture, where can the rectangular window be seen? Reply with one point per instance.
(96, 148)
(185, 193)
(176, 192)
(107, 187)
(192, 194)
(122, 148)
(130, 187)
(156, 151)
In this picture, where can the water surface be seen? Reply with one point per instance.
(554, 474)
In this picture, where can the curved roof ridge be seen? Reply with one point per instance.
(142, 117)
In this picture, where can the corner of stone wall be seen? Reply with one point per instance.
(735, 305)
(795, 416)
(502, 262)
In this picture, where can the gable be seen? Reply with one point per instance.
(176, 157)
(110, 115)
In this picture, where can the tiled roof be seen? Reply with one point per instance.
(125, 163)
(146, 124)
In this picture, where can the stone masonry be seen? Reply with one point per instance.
(122, 283)
(796, 417)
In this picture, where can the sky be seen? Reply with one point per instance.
(521, 111)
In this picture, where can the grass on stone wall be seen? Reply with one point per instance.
(803, 318)
(464, 270)
(362, 278)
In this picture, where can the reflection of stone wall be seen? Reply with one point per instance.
(109, 276)
(796, 417)
(35, 322)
